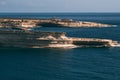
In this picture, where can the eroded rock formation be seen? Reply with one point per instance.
(37, 39)
(31, 23)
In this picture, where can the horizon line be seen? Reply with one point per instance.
(59, 12)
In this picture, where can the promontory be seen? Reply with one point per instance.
(26, 23)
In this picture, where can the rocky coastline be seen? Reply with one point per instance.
(39, 39)
(26, 23)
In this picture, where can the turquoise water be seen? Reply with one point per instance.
(65, 64)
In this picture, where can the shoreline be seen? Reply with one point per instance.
(26, 23)
(33, 39)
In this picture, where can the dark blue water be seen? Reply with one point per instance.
(65, 64)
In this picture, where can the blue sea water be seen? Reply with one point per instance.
(65, 64)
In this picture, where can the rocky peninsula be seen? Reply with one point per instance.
(39, 39)
(25, 23)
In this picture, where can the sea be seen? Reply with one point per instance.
(65, 63)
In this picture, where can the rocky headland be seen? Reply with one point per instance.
(38, 39)
(33, 39)
(24, 23)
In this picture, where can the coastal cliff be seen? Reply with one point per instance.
(52, 22)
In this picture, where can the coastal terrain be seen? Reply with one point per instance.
(26, 23)
(39, 39)
(23, 37)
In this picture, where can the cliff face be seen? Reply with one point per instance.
(30, 23)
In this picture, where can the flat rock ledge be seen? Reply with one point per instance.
(26, 23)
